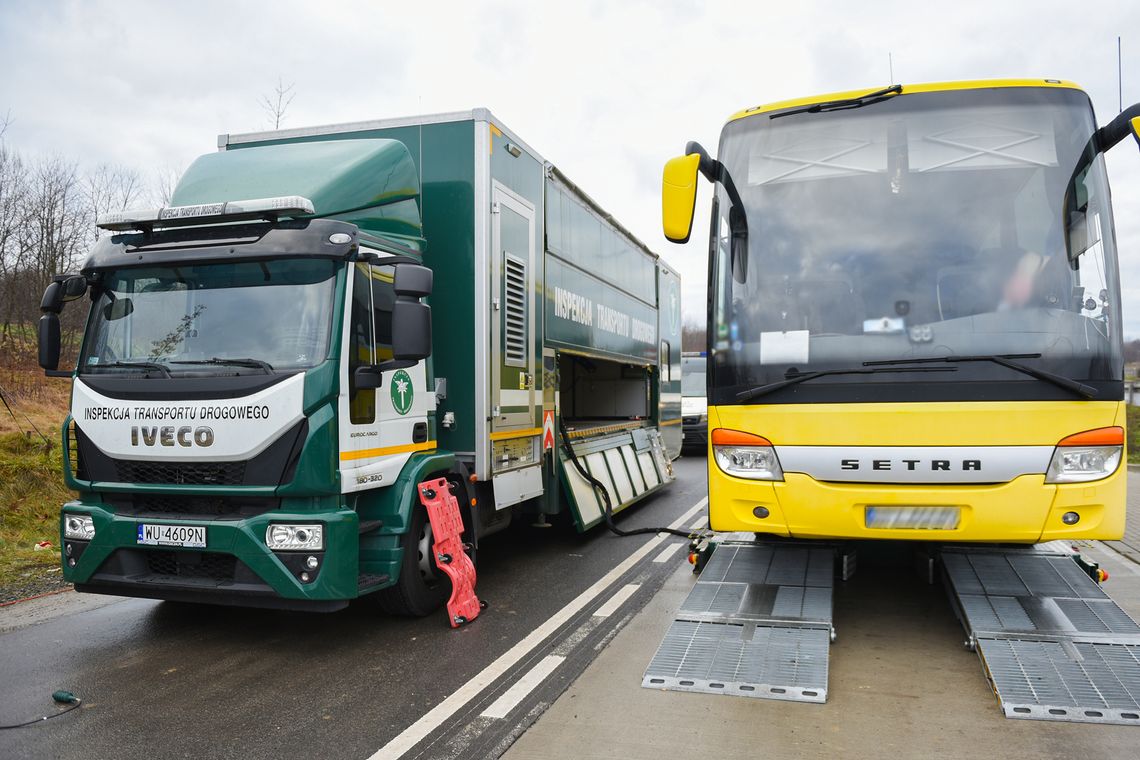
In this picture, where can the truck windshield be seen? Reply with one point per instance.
(923, 225)
(217, 318)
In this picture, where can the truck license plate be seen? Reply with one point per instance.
(921, 518)
(188, 536)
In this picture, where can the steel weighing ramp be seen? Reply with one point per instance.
(757, 624)
(1052, 643)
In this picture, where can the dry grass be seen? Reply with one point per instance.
(31, 492)
(32, 410)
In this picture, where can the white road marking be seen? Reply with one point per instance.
(617, 600)
(525, 685)
(698, 524)
(434, 718)
(668, 552)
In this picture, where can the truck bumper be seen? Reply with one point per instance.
(235, 567)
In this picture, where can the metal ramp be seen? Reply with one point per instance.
(1053, 645)
(757, 624)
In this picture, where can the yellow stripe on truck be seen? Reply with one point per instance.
(346, 456)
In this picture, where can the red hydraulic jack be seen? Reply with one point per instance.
(447, 545)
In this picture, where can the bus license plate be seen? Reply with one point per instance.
(188, 536)
(920, 518)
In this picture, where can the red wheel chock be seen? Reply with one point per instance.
(447, 546)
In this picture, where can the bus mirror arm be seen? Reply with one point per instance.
(1076, 204)
(715, 172)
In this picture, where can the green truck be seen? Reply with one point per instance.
(323, 318)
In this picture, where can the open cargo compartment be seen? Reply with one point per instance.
(606, 418)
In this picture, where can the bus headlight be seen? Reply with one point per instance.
(295, 537)
(1091, 455)
(744, 455)
(79, 527)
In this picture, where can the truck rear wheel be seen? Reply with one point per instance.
(423, 588)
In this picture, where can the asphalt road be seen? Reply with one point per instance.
(168, 680)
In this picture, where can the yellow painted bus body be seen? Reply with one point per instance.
(1025, 509)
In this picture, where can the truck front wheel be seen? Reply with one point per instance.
(423, 588)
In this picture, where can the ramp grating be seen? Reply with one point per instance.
(757, 623)
(1060, 680)
(743, 660)
(1052, 643)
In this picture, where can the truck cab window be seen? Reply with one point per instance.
(361, 347)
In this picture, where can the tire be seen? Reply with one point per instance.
(423, 588)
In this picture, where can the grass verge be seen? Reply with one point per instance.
(31, 492)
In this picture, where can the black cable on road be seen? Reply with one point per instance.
(605, 494)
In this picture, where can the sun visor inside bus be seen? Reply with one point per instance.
(373, 182)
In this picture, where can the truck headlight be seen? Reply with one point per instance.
(295, 537)
(745, 455)
(1091, 455)
(79, 527)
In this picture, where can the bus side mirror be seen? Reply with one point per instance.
(679, 197)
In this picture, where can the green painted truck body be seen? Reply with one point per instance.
(534, 284)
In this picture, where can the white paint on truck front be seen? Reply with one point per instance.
(219, 430)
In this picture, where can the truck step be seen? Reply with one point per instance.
(1053, 645)
(756, 624)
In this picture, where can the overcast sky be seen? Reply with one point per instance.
(607, 91)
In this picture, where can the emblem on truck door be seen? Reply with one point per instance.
(401, 391)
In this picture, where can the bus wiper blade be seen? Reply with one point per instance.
(134, 365)
(1005, 360)
(764, 390)
(839, 105)
(254, 363)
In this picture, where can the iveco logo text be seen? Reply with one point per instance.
(172, 436)
(945, 465)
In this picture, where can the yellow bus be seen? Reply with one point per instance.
(914, 315)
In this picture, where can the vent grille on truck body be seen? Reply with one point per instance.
(514, 313)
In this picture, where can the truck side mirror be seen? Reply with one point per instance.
(411, 329)
(679, 197)
(49, 340)
(411, 319)
(367, 377)
(412, 280)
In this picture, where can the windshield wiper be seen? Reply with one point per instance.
(1005, 360)
(794, 379)
(254, 363)
(839, 105)
(133, 365)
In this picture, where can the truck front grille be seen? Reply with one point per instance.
(183, 473)
(180, 506)
(203, 565)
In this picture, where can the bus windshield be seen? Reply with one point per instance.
(922, 225)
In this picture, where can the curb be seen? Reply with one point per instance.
(1133, 467)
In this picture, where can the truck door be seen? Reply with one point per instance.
(515, 432)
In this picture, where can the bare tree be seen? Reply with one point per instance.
(109, 188)
(693, 336)
(162, 190)
(276, 104)
(13, 211)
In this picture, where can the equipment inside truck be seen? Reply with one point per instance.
(596, 393)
